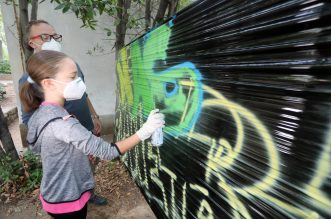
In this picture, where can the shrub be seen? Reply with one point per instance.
(23, 175)
(5, 67)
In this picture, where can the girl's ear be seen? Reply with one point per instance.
(47, 83)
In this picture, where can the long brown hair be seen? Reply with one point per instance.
(40, 66)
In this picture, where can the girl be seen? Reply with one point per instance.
(61, 140)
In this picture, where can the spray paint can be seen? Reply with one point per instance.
(157, 138)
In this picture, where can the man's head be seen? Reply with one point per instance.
(42, 36)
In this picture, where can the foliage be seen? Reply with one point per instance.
(86, 10)
(183, 4)
(2, 91)
(5, 67)
(22, 175)
(112, 163)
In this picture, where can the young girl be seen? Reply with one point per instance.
(61, 140)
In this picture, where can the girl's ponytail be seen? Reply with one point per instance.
(31, 97)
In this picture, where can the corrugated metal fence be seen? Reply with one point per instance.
(246, 90)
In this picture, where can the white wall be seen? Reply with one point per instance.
(12, 44)
(99, 70)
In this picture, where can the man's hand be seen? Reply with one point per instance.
(97, 125)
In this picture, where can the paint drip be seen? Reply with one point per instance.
(157, 138)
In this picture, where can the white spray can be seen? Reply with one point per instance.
(157, 138)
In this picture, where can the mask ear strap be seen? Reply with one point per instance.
(61, 82)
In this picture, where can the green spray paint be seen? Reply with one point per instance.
(176, 91)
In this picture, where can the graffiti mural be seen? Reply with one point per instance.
(246, 90)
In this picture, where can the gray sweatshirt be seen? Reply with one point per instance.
(63, 145)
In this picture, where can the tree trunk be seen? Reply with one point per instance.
(173, 4)
(2, 152)
(2, 155)
(34, 10)
(147, 15)
(18, 27)
(159, 18)
(23, 23)
(5, 138)
(123, 17)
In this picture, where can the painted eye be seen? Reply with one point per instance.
(170, 88)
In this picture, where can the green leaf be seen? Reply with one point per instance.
(65, 9)
(101, 8)
(90, 14)
(60, 6)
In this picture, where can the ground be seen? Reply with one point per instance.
(112, 179)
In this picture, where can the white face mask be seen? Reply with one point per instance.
(51, 45)
(74, 90)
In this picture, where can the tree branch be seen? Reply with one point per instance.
(123, 16)
(34, 10)
(5, 137)
(147, 15)
(159, 18)
(173, 4)
(23, 23)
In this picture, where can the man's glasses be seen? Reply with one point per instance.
(47, 37)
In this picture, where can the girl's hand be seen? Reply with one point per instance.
(154, 121)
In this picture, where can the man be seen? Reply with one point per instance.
(42, 36)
